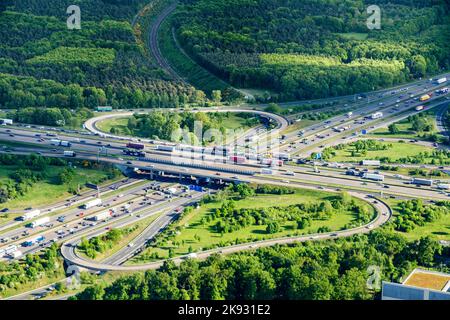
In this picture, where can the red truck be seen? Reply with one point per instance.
(137, 146)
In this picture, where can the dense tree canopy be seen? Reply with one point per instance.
(313, 271)
(43, 64)
(315, 48)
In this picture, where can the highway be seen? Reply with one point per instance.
(78, 220)
(384, 213)
(98, 146)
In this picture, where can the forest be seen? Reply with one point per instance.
(44, 64)
(313, 271)
(315, 48)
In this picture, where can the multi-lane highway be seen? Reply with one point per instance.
(135, 204)
(382, 216)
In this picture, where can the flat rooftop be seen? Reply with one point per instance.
(428, 280)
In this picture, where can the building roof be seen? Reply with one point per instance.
(428, 280)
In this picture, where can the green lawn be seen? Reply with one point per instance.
(405, 127)
(199, 236)
(397, 151)
(107, 124)
(47, 191)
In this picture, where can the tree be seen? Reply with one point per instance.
(273, 108)
(418, 65)
(393, 129)
(273, 227)
(217, 96)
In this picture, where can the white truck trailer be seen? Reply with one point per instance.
(103, 216)
(373, 176)
(376, 115)
(69, 154)
(370, 163)
(30, 215)
(39, 222)
(92, 203)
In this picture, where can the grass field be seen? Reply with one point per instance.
(197, 236)
(107, 124)
(440, 229)
(405, 127)
(48, 191)
(397, 151)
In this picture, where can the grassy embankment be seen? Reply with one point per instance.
(196, 235)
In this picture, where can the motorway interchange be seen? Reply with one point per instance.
(133, 200)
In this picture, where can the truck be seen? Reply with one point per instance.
(137, 146)
(422, 182)
(237, 159)
(419, 108)
(425, 97)
(442, 91)
(266, 171)
(165, 148)
(370, 163)
(6, 122)
(376, 115)
(373, 176)
(441, 80)
(30, 215)
(69, 154)
(102, 216)
(65, 144)
(443, 186)
(10, 249)
(92, 203)
(40, 222)
(55, 142)
(15, 254)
